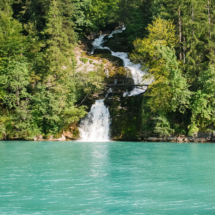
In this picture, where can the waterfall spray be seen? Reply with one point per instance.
(95, 127)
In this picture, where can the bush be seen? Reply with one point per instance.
(162, 127)
(84, 60)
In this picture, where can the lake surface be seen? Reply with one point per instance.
(106, 178)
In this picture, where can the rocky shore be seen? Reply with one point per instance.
(200, 137)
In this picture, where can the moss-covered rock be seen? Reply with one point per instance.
(106, 54)
(117, 43)
(125, 116)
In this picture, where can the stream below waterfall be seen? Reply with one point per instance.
(95, 126)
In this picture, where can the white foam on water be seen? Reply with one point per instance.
(96, 125)
(98, 41)
(136, 72)
(119, 31)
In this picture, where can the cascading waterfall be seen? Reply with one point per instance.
(97, 43)
(95, 127)
(136, 72)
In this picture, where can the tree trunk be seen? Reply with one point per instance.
(180, 31)
(209, 17)
(193, 18)
(184, 54)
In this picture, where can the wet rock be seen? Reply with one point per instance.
(92, 36)
(213, 140)
(191, 139)
(40, 138)
(161, 139)
(180, 139)
(205, 135)
(51, 138)
(171, 139)
(101, 51)
(126, 120)
(203, 140)
(63, 138)
(106, 32)
(186, 140)
(152, 139)
(68, 134)
(118, 43)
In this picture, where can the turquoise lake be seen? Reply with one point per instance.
(106, 178)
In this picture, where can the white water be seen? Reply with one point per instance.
(136, 72)
(95, 127)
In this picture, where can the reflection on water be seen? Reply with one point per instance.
(106, 178)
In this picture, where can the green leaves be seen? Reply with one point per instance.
(162, 125)
(14, 79)
(38, 84)
(178, 84)
(12, 43)
(169, 90)
(203, 103)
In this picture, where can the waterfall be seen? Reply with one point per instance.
(95, 127)
(97, 43)
(119, 31)
(136, 72)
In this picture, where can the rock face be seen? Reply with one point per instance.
(202, 140)
(125, 115)
(68, 134)
(40, 138)
(92, 36)
(118, 43)
(151, 139)
(171, 139)
(180, 139)
(63, 138)
(186, 140)
(72, 133)
(200, 137)
(51, 138)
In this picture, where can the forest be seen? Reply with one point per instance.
(41, 93)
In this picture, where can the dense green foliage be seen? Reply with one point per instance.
(39, 89)
(41, 94)
(180, 100)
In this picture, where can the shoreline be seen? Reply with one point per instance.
(144, 140)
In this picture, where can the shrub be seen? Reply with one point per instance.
(84, 60)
